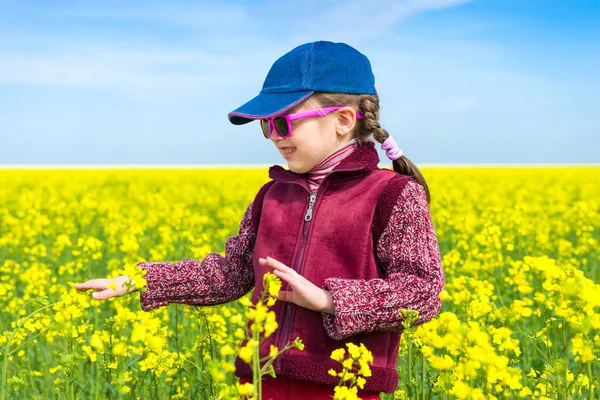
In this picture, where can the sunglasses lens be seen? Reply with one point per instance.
(264, 125)
(282, 127)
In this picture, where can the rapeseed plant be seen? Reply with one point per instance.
(519, 246)
(355, 369)
(261, 324)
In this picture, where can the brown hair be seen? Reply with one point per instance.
(368, 107)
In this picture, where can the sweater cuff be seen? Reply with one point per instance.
(154, 296)
(342, 323)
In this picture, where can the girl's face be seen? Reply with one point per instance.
(314, 138)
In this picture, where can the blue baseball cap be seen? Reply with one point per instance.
(312, 67)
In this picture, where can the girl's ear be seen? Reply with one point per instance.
(345, 121)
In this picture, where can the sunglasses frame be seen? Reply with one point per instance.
(321, 112)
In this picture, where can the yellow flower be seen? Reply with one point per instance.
(239, 333)
(226, 350)
(246, 351)
(460, 390)
(245, 389)
(347, 363)
(246, 302)
(345, 393)
(364, 369)
(298, 344)
(53, 370)
(112, 365)
(444, 363)
(353, 350)
(272, 284)
(119, 349)
(273, 351)
(97, 343)
(270, 324)
(150, 362)
(338, 354)
(360, 382)
(582, 349)
(444, 295)
(91, 354)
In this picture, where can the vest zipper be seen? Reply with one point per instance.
(283, 337)
(288, 306)
(311, 203)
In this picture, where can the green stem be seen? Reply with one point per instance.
(16, 349)
(9, 341)
(71, 362)
(541, 352)
(177, 341)
(131, 396)
(31, 383)
(210, 344)
(410, 367)
(191, 373)
(591, 380)
(423, 376)
(256, 364)
(269, 361)
(110, 354)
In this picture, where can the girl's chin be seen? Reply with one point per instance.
(293, 166)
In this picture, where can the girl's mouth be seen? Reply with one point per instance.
(287, 152)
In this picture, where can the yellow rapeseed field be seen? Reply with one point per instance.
(520, 250)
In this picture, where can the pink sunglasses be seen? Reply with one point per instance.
(282, 124)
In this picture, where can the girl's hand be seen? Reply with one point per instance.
(305, 293)
(107, 288)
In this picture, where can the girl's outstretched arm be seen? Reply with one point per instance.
(214, 280)
(408, 248)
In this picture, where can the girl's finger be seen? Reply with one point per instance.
(284, 277)
(98, 284)
(284, 274)
(103, 295)
(281, 266)
(292, 280)
(285, 296)
(273, 263)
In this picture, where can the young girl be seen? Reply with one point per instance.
(352, 243)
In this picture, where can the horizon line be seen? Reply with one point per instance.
(225, 166)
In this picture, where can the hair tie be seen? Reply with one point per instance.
(391, 149)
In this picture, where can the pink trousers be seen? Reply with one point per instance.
(283, 388)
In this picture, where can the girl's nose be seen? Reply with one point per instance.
(273, 135)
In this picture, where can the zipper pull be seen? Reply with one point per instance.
(308, 216)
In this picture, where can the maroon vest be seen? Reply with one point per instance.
(323, 236)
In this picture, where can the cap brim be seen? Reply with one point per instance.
(266, 105)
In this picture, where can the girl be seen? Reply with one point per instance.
(352, 243)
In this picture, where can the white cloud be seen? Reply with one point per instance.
(140, 63)
(358, 21)
(133, 72)
(186, 14)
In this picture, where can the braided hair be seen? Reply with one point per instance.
(368, 107)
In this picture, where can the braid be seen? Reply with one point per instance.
(368, 107)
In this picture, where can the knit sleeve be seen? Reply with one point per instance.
(216, 279)
(409, 252)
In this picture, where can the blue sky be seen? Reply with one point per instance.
(112, 82)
